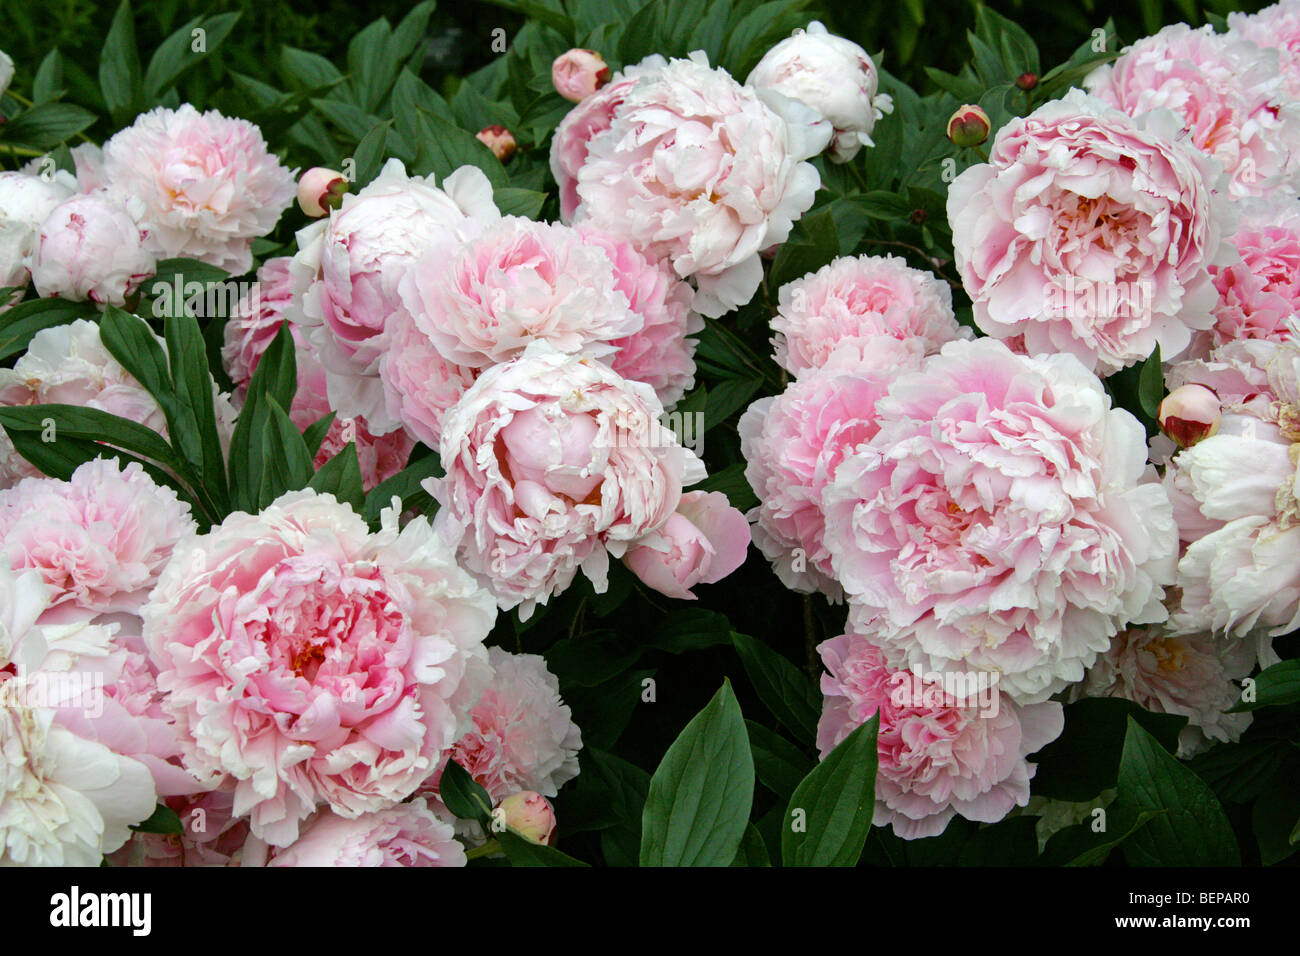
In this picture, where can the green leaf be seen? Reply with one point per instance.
(787, 692)
(698, 806)
(191, 378)
(176, 55)
(691, 629)
(1151, 384)
(834, 804)
(404, 485)
(75, 421)
(119, 67)
(463, 795)
(341, 477)
(727, 397)
(1273, 820)
(1080, 845)
(276, 377)
(309, 70)
(19, 324)
(369, 154)
(524, 852)
(752, 852)
(779, 764)
(48, 83)
(731, 481)
(1193, 830)
(519, 202)
(46, 125)
(1274, 687)
(442, 148)
(162, 820)
(314, 434)
(286, 461)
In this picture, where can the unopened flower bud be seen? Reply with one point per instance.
(969, 126)
(1189, 414)
(320, 190)
(1027, 81)
(498, 139)
(530, 815)
(579, 73)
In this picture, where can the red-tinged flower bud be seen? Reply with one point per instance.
(579, 73)
(1027, 81)
(1189, 414)
(530, 815)
(969, 126)
(498, 139)
(320, 190)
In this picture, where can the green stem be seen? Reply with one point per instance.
(487, 849)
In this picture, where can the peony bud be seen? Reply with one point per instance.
(969, 126)
(498, 139)
(579, 73)
(1189, 414)
(702, 542)
(91, 248)
(320, 190)
(1027, 81)
(530, 815)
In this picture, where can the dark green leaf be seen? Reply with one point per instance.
(1274, 687)
(829, 815)
(463, 795)
(19, 324)
(1151, 384)
(341, 477)
(787, 692)
(162, 820)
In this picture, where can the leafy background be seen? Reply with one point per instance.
(675, 768)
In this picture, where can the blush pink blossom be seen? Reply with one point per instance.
(210, 835)
(483, 291)
(1228, 93)
(26, 199)
(419, 384)
(408, 834)
(1259, 297)
(701, 543)
(660, 353)
(851, 304)
(202, 185)
(91, 248)
(313, 663)
(1090, 233)
(939, 756)
(1276, 27)
(554, 463)
(1001, 519)
(699, 170)
(792, 444)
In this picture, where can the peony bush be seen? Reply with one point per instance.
(671, 439)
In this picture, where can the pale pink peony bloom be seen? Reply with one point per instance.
(313, 662)
(583, 123)
(1002, 519)
(660, 354)
(91, 248)
(1235, 499)
(484, 291)
(99, 540)
(419, 384)
(1260, 295)
(697, 169)
(831, 75)
(88, 161)
(1190, 675)
(1090, 233)
(701, 543)
(251, 330)
(554, 463)
(1228, 93)
(576, 74)
(850, 304)
(939, 755)
(522, 735)
(25, 202)
(348, 266)
(69, 365)
(65, 800)
(408, 834)
(1276, 27)
(792, 445)
(203, 185)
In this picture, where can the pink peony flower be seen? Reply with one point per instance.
(530, 815)
(1190, 675)
(483, 291)
(408, 834)
(701, 543)
(210, 835)
(576, 74)
(1260, 295)
(553, 463)
(25, 202)
(851, 304)
(314, 663)
(204, 186)
(1234, 496)
(697, 169)
(1228, 93)
(91, 248)
(939, 755)
(1276, 27)
(999, 520)
(1090, 233)
(659, 354)
(419, 384)
(792, 445)
(522, 736)
(99, 540)
(349, 264)
(831, 75)
(251, 330)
